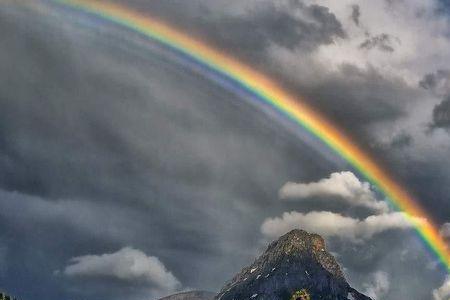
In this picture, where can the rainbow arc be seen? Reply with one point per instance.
(268, 92)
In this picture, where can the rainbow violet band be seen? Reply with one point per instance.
(268, 92)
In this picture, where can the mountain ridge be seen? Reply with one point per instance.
(296, 262)
(296, 266)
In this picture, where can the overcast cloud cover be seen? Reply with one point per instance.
(115, 154)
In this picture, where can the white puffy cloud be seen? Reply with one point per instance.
(127, 264)
(443, 293)
(379, 285)
(329, 224)
(344, 186)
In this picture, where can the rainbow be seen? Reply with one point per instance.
(268, 92)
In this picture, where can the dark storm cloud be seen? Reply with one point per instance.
(280, 25)
(289, 24)
(437, 82)
(358, 99)
(104, 151)
(383, 42)
(99, 150)
(354, 97)
(431, 80)
(402, 140)
(379, 255)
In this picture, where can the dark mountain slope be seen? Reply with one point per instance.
(296, 266)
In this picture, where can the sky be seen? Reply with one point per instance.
(126, 173)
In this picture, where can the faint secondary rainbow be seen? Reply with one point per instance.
(270, 93)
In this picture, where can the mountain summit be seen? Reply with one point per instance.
(297, 267)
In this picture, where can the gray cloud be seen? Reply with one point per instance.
(437, 82)
(401, 140)
(360, 99)
(383, 42)
(379, 285)
(360, 261)
(356, 14)
(104, 151)
(295, 25)
(290, 24)
(100, 150)
(100, 220)
(441, 115)
(355, 97)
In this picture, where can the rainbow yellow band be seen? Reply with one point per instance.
(268, 91)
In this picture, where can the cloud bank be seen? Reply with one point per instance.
(330, 224)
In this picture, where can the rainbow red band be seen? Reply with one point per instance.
(269, 92)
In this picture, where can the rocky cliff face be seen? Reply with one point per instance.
(296, 267)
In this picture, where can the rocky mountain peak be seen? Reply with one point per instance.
(295, 264)
(301, 244)
(298, 241)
